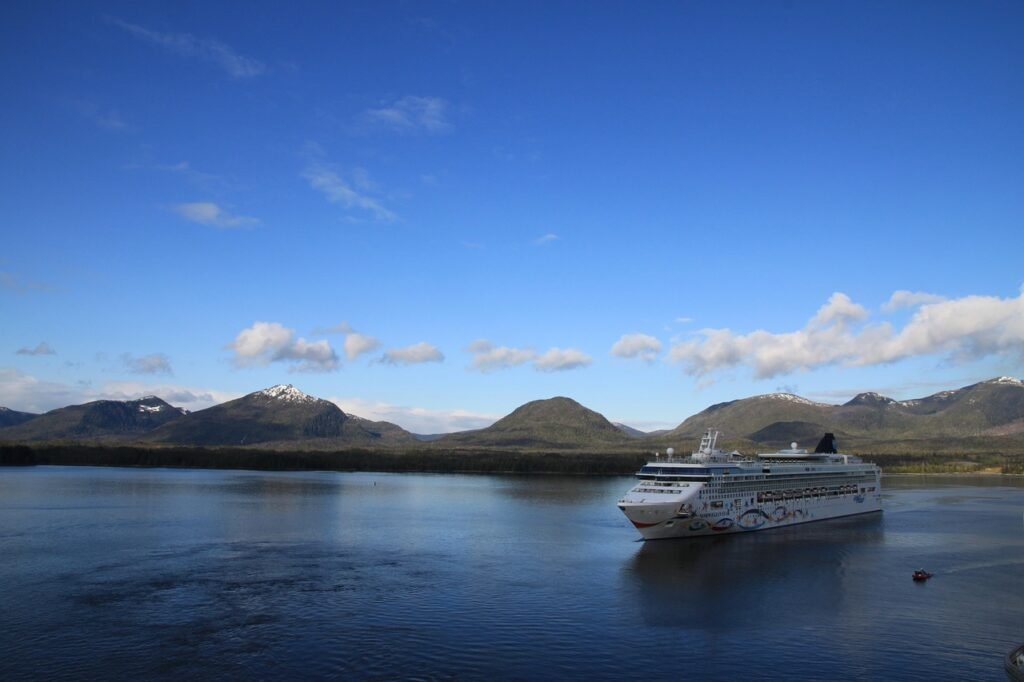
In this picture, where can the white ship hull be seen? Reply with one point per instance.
(662, 521)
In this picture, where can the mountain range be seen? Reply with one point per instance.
(987, 409)
(95, 420)
(284, 417)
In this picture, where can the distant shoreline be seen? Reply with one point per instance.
(955, 474)
(435, 460)
(383, 461)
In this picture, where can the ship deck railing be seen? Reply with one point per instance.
(689, 459)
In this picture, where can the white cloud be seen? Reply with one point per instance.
(825, 340)
(561, 359)
(640, 346)
(155, 363)
(205, 49)
(839, 310)
(416, 419)
(910, 299)
(20, 391)
(260, 342)
(42, 348)
(266, 342)
(415, 354)
(411, 114)
(487, 357)
(963, 329)
(356, 344)
(311, 356)
(183, 396)
(189, 397)
(338, 191)
(209, 213)
(545, 239)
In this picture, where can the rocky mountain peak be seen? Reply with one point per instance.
(788, 397)
(871, 398)
(151, 404)
(9, 417)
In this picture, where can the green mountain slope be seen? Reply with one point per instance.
(740, 418)
(553, 423)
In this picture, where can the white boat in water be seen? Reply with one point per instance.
(712, 492)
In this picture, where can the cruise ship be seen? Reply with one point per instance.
(712, 492)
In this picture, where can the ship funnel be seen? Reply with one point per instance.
(827, 445)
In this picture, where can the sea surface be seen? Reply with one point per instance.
(110, 573)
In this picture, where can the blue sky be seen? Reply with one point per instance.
(432, 213)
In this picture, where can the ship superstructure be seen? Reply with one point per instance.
(713, 492)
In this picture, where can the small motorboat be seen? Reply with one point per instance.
(920, 575)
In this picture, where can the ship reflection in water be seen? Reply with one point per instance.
(729, 582)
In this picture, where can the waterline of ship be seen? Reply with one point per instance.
(712, 492)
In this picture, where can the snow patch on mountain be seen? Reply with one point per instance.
(941, 395)
(286, 393)
(788, 397)
(871, 396)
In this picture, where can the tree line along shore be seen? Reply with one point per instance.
(434, 460)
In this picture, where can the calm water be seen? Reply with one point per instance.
(111, 573)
